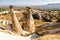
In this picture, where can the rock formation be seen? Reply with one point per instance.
(28, 24)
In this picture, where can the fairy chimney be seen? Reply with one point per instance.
(28, 24)
(15, 24)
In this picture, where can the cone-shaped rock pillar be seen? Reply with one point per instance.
(29, 21)
(15, 24)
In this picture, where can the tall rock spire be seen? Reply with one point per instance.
(15, 24)
(29, 21)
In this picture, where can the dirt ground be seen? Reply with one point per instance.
(37, 23)
(49, 37)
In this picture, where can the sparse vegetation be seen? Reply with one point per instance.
(54, 15)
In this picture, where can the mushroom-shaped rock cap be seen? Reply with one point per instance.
(11, 7)
(28, 7)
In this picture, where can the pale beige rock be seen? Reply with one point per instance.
(29, 22)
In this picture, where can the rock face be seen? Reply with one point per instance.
(15, 24)
(6, 36)
(28, 24)
(58, 20)
(36, 15)
(48, 29)
(16, 27)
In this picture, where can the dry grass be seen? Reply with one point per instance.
(49, 37)
(40, 22)
(37, 23)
